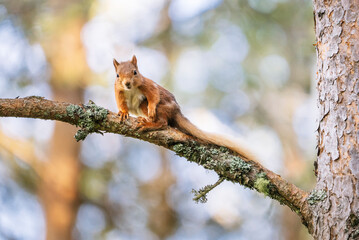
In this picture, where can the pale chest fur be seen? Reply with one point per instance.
(134, 97)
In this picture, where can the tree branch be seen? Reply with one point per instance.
(225, 162)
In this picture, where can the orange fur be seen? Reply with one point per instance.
(141, 96)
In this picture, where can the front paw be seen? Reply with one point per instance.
(123, 115)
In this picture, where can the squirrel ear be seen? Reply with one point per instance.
(134, 61)
(115, 63)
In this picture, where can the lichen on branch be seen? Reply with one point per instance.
(316, 196)
(88, 116)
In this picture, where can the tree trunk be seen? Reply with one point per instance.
(58, 189)
(337, 34)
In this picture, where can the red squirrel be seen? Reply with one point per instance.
(156, 107)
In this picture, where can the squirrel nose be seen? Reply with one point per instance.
(128, 84)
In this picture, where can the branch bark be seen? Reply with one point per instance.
(225, 162)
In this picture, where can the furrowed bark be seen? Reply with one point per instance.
(226, 163)
(337, 34)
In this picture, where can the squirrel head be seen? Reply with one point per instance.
(127, 73)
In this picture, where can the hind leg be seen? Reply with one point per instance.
(144, 125)
(161, 122)
(163, 112)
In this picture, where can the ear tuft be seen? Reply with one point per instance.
(134, 60)
(115, 63)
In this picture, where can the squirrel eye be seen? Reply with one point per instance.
(134, 72)
(118, 75)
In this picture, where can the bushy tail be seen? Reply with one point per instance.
(186, 126)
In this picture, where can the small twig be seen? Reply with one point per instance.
(201, 195)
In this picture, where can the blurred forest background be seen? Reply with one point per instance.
(242, 68)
